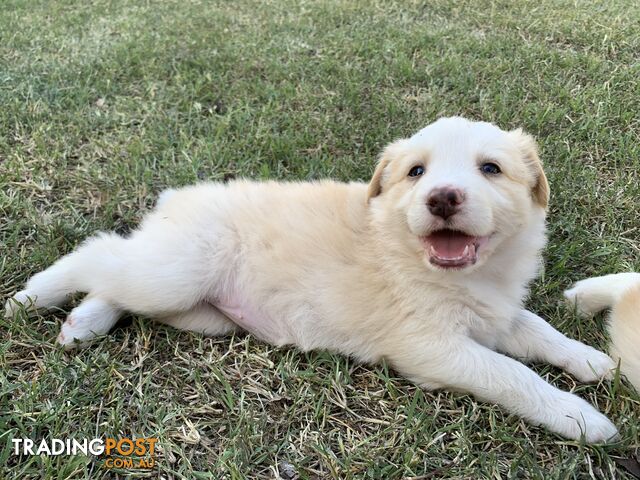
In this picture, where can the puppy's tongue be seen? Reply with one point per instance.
(449, 244)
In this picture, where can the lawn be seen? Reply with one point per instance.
(105, 103)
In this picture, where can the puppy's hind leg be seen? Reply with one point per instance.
(149, 273)
(593, 295)
(203, 318)
(93, 317)
(52, 287)
(96, 316)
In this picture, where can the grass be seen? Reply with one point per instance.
(105, 103)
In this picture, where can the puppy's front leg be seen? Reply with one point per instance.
(533, 339)
(463, 364)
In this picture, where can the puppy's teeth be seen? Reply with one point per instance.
(465, 252)
(432, 251)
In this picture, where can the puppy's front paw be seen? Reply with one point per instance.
(588, 364)
(575, 418)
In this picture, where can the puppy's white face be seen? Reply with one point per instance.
(458, 189)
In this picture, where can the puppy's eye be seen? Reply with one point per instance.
(416, 171)
(490, 168)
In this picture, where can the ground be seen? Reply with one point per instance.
(103, 104)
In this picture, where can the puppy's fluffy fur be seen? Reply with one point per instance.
(426, 267)
(621, 293)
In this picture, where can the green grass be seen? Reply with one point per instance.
(105, 103)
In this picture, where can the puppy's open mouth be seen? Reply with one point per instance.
(452, 248)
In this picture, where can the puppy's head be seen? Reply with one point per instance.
(458, 189)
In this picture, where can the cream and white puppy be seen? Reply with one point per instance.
(426, 267)
(619, 292)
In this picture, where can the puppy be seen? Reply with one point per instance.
(621, 293)
(425, 267)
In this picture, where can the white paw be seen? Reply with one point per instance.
(75, 332)
(575, 418)
(21, 300)
(588, 364)
(92, 318)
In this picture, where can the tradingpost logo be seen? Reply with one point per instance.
(127, 453)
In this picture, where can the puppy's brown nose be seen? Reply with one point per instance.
(445, 201)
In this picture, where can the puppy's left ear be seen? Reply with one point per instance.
(529, 149)
(390, 152)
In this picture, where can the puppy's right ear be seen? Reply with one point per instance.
(529, 149)
(389, 153)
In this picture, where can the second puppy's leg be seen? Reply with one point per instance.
(595, 294)
(624, 330)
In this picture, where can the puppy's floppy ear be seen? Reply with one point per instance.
(529, 149)
(389, 153)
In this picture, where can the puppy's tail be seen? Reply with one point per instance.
(621, 293)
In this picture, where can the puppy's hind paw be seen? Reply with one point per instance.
(75, 333)
(92, 318)
(22, 300)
